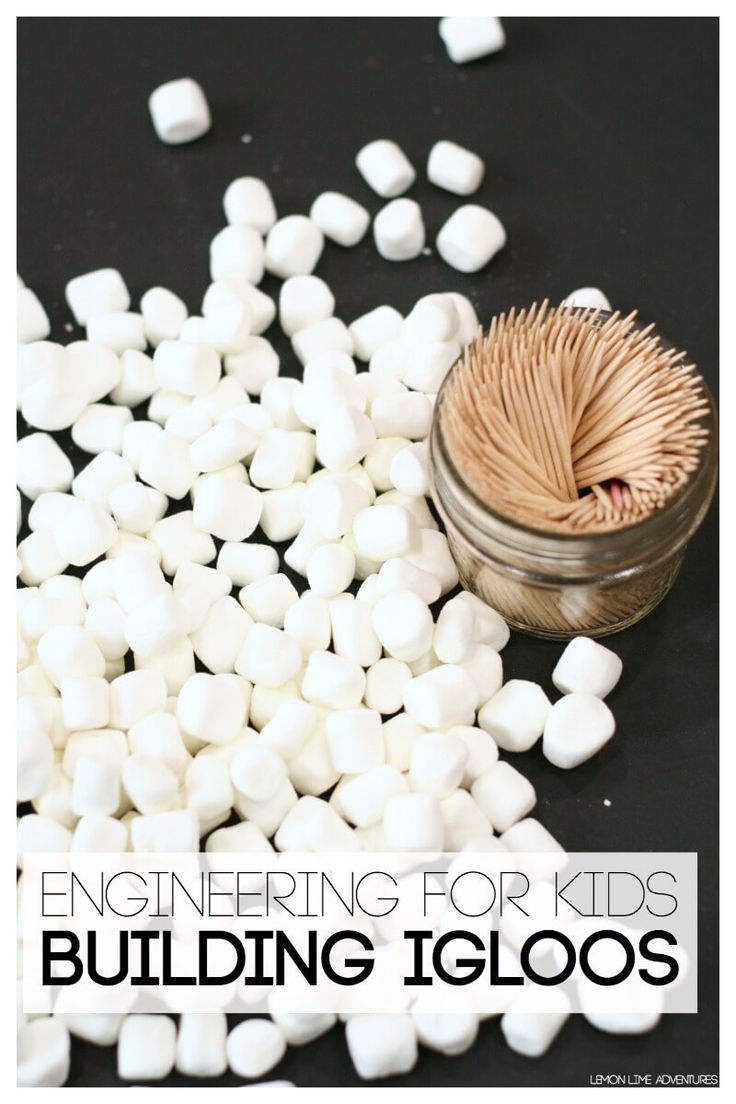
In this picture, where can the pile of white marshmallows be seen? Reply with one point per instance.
(177, 685)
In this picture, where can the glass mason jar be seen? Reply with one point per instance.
(560, 585)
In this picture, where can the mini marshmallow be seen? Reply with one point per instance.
(208, 789)
(105, 621)
(343, 438)
(136, 508)
(428, 364)
(398, 230)
(146, 1047)
(340, 218)
(254, 1047)
(463, 821)
(384, 685)
(312, 772)
(276, 459)
(432, 319)
(470, 238)
(385, 168)
(442, 697)
(85, 703)
(289, 729)
(34, 764)
(248, 202)
(302, 1027)
(381, 1045)
(515, 716)
(437, 764)
(374, 329)
(277, 397)
(355, 740)
(101, 427)
(211, 708)
(106, 745)
(588, 297)
(304, 301)
(261, 307)
(69, 651)
(151, 785)
(640, 1006)
(409, 469)
(267, 600)
(454, 168)
(587, 667)
(403, 624)
(163, 313)
(228, 510)
(227, 328)
(180, 541)
(413, 822)
(156, 626)
(186, 367)
(331, 503)
(384, 532)
(96, 786)
(328, 336)
(254, 365)
(134, 695)
(531, 838)
(400, 574)
(293, 247)
(201, 1044)
(39, 558)
(31, 321)
(333, 681)
(481, 748)
(258, 772)
(99, 833)
(268, 657)
(576, 728)
(353, 635)
(308, 622)
(534, 1020)
(244, 563)
(43, 1053)
(98, 479)
(468, 37)
(453, 634)
(377, 462)
(96, 292)
(117, 330)
(330, 569)
(156, 735)
(281, 512)
(40, 833)
(41, 466)
(404, 415)
(504, 795)
(490, 627)
(174, 831)
(449, 1033)
(467, 316)
(179, 111)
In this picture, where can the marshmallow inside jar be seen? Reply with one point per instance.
(567, 496)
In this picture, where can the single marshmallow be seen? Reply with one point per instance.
(43, 1053)
(403, 624)
(384, 685)
(398, 230)
(186, 367)
(340, 218)
(441, 697)
(293, 246)
(276, 460)
(470, 237)
(333, 681)
(362, 800)
(41, 466)
(227, 328)
(268, 657)
(546, 855)
(331, 504)
(330, 569)
(343, 438)
(308, 621)
(454, 168)
(258, 772)
(179, 111)
(85, 703)
(174, 831)
(96, 292)
(96, 786)
(35, 764)
(490, 627)
(248, 202)
(237, 252)
(261, 306)
(409, 469)
(534, 1020)
(281, 512)
(586, 667)
(374, 329)
(179, 541)
(328, 336)
(450, 1033)
(577, 727)
(151, 785)
(304, 301)
(437, 764)
(134, 695)
(467, 316)
(403, 415)
(254, 1047)
(267, 600)
(146, 1047)
(385, 168)
(353, 635)
(289, 729)
(69, 651)
(201, 1044)
(227, 509)
(588, 297)
(631, 1007)
(157, 625)
(301, 1027)
(355, 740)
(515, 716)
(413, 822)
(163, 313)
(399, 574)
(453, 634)
(277, 397)
(468, 37)
(244, 563)
(31, 320)
(384, 532)
(481, 748)
(101, 427)
(504, 795)
(211, 708)
(99, 833)
(464, 821)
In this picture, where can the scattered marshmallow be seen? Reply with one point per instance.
(385, 168)
(469, 37)
(248, 202)
(454, 168)
(588, 297)
(398, 231)
(146, 1048)
(577, 727)
(179, 111)
(340, 218)
(587, 667)
(515, 716)
(293, 246)
(470, 238)
(95, 293)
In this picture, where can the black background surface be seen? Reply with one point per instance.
(600, 138)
